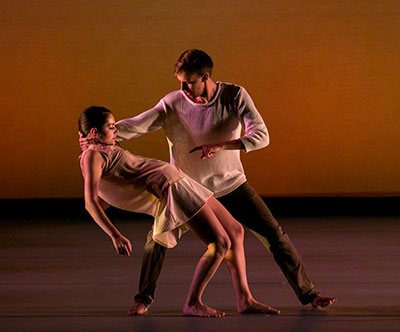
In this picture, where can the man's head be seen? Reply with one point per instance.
(194, 61)
(193, 69)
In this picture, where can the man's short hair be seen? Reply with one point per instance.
(194, 61)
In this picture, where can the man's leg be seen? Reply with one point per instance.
(152, 262)
(248, 208)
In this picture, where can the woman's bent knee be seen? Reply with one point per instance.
(237, 232)
(222, 246)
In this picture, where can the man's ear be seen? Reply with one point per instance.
(205, 77)
(94, 132)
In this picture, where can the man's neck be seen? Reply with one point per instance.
(209, 91)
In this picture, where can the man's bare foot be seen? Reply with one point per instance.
(323, 301)
(255, 307)
(201, 310)
(138, 309)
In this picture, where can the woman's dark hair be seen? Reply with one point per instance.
(93, 117)
(194, 61)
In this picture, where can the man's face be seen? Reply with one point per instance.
(192, 84)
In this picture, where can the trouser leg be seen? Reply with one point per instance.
(248, 208)
(152, 262)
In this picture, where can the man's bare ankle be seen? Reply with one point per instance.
(138, 308)
(323, 301)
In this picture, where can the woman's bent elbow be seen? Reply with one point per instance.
(90, 205)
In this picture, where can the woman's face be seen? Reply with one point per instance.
(109, 132)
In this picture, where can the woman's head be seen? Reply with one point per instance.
(99, 123)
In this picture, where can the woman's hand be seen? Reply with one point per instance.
(122, 245)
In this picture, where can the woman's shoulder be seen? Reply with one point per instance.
(97, 151)
(104, 148)
(91, 155)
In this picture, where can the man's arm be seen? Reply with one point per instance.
(208, 150)
(255, 132)
(145, 122)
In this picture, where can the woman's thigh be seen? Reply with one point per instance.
(207, 226)
(232, 227)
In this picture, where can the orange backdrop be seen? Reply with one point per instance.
(325, 75)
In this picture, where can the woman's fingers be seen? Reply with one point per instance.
(127, 252)
(129, 246)
(123, 246)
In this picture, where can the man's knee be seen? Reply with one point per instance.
(272, 237)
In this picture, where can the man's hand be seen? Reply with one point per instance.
(84, 142)
(122, 245)
(208, 150)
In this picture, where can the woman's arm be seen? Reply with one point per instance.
(92, 168)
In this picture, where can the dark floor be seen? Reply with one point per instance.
(63, 275)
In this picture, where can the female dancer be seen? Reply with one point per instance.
(113, 176)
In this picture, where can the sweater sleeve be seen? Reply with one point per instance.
(145, 122)
(255, 132)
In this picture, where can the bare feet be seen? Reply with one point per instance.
(323, 301)
(138, 309)
(201, 310)
(255, 307)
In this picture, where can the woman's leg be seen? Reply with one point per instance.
(236, 262)
(208, 228)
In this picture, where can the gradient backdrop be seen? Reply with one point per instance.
(325, 75)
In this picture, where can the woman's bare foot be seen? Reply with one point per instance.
(255, 307)
(201, 310)
(323, 301)
(138, 309)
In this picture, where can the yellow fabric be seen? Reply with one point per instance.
(210, 253)
(263, 240)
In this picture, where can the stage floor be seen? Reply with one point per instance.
(64, 275)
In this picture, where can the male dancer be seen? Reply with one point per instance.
(209, 116)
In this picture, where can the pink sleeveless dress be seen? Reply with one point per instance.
(150, 186)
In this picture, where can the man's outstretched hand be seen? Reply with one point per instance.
(208, 150)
